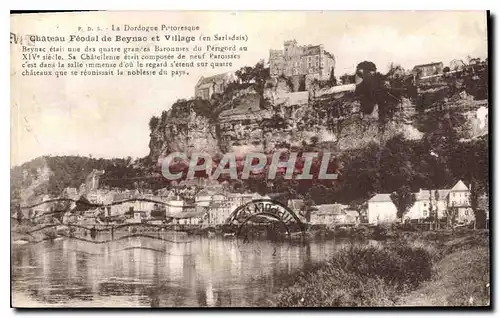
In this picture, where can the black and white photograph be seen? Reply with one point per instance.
(250, 159)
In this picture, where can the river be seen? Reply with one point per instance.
(145, 272)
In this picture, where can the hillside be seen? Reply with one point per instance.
(51, 175)
(384, 134)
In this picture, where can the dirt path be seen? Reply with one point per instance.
(461, 279)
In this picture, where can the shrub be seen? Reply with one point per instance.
(362, 232)
(381, 232)
(360, 276)
(342, 232)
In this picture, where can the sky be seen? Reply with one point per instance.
(108, 116)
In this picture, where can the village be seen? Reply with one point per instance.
(304, 159)
(91, 205)
(303, 67)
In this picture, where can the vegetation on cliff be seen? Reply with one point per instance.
(383, 164)
(71, 171)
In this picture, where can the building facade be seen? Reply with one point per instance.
(308, 62)
(207, 86)
(428, 203)
(425, 70)
(329, 214)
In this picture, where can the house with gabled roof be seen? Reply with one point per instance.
(207, 86)
(429, 69)
(328, 214)
(382, 210)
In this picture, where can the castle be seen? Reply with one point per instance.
(303, 64)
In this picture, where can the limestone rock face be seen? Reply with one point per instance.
(283, 119)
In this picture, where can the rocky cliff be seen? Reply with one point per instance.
(329, 118)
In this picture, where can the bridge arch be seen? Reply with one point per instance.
(265, 207)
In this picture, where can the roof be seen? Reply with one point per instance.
(120, 196)
(311, 49)
(330, 55)
(331, 209)
(205, 192)
(381, 197)
(71, 190)
(197, 212)
(352, 213)
(428, 64)
(460, 186)
(424, 194)
(211, 79)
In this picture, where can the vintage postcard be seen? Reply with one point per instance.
(250, 159)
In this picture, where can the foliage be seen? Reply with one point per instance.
(347, 79)
(153, 122)
(366, 67)
(403, 199)
(373, 90)
(256, 75)
(359, 276)
(71, 171)
(332, 80)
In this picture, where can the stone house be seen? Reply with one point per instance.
(219, 212)
(328, 214)
(207, 86)
(302, 64)
(429, 69)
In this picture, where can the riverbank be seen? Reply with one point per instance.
(269, 232)
(429, 269)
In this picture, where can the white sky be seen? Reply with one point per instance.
(108, 117)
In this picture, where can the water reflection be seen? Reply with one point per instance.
(206, 272)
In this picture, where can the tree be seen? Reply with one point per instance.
(451, 216)
(431, 208)
(332, 81)
(366, 66)
(258, 75)
(308, 207)
(346, 79)
(153, 122)
(395, 71)
(403, 199)
(436, 193)
(474, 197)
